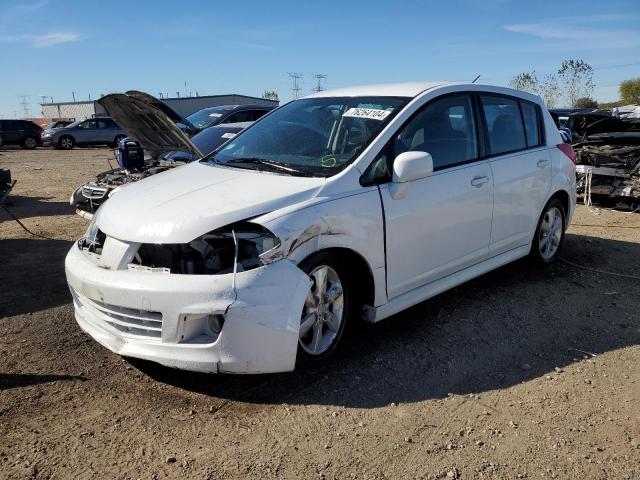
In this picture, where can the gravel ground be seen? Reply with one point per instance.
(525, 372)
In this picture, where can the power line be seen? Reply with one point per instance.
(319, 78)
(24, 102)
(295, 78)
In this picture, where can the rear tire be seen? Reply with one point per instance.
(29, 143)
(66, 142)
(331, 306)
(549, 235)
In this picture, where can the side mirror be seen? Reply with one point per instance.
(410, 166)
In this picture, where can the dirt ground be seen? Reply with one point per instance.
(525, 372)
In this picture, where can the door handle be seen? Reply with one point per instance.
(479, 181)
(543, 163)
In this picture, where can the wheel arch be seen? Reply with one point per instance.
(565, 199)
(358, 268)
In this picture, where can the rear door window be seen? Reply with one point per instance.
(531, 129)
(245, 116)
(504, 124)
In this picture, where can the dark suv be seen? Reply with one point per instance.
(20, 132)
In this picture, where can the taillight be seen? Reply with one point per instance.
(568, 151)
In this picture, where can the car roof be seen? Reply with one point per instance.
(414, 89)
(238, 107)
(222, 126)
(411, 89)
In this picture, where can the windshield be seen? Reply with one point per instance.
(313, 137)
(207, 117)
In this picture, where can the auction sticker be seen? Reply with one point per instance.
(370, 113)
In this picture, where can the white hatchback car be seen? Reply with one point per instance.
(345, 205)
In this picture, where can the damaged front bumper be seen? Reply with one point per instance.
(164, 317)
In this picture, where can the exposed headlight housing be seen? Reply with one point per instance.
(239, 246)
(93, 239)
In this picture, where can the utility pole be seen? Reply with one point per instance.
(319, 78)
(24, 102)
(295, 78)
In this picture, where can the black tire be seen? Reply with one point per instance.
(537, 252)
(66, 142)
(117, 140)
(352, 304)
(29, 142)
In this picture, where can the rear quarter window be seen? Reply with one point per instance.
(531, 123)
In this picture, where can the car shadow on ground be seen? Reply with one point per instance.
(32, 275)
(26, 207)
(15, 380)
(506, 327)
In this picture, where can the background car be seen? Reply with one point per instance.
(20, 132)
(155, 143)
(208, 117)
(88, 197)
(92, 131)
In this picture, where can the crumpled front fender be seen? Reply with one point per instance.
(262, 325)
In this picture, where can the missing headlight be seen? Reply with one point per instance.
(212, 253)
(93, 239)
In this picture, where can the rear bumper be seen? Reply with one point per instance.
(162, 317)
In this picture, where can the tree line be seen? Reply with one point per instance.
(572, 85)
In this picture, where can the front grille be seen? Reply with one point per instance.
(93, 192)
(140, 323)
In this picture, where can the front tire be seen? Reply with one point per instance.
(117, 140)
(549, 233)
(66, 143)
(331, 304)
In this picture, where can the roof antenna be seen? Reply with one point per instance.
(474, 80)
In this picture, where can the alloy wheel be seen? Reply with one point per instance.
(550, 233)
(323, 311)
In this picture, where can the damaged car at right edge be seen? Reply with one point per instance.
(342, 206)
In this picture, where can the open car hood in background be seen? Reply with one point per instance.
(150, 121)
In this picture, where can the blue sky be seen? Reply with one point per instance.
(92, 47)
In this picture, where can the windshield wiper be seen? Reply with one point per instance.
(266, 163)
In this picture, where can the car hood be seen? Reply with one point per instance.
(179, 205)
(150, 121)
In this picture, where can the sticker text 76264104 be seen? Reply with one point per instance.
(369, 113)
